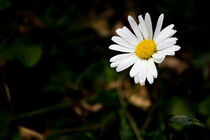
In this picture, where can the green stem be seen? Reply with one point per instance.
(128, 115)
(86, 71)
(161, 107)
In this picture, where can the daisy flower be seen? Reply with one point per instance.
(143, 48)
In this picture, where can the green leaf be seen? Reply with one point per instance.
(185, 120)
(30, 56)
(179, 106)
(204, 107)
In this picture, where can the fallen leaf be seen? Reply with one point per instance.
(137, 95)
(92, 108)
(174, 63)
(29, 134)
(113, 85)
(140, 97)
(101, 27)
(77, 110)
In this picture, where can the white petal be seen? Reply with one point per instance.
(142, 71)
(120, 57)
(115, 64)
(170, 50)
(136, 80)
(143, 67)
(152, 67)
(166, 43)
(134, 69)
(142, 79)
(158, 58)
(135, 28)
(149, 25)
(126, 63)
(164, 34)
(126, 34)
(143, 27)
(150, 78)
(142, 82)
(158, 26)
(120, 48)
(122, 42)
(174, 31)
(150, 71)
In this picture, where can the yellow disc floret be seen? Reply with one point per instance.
(145, 49)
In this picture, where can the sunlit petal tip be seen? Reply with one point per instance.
(147, 14)
(151, 80)
(113, 38)
(110, 47)
(174, 31)
(118, 30)
(113, 65)
(118, 70)
(155, 76)
(142, 83)
(130, 18)
(132, 73)
(124, 27)
(177, 47)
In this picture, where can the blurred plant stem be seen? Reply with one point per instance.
(7, 92)
(161, 107)
(86, 71)
(128, 115)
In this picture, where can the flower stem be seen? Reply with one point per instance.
(161, 107)
(128, 115)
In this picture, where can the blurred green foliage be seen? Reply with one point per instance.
(54, 59)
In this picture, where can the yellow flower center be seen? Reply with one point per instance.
(145, 49)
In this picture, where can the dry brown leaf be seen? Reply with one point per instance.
(174, 63)
(137, 95)
(101, 23)
(77, 110)
(29, 134)
(92, 108)
(120, 23)
(140, 97)
(101, 26)
(113, 85)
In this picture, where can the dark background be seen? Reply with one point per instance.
(54, 63)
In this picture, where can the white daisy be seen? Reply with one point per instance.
(143, 48)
